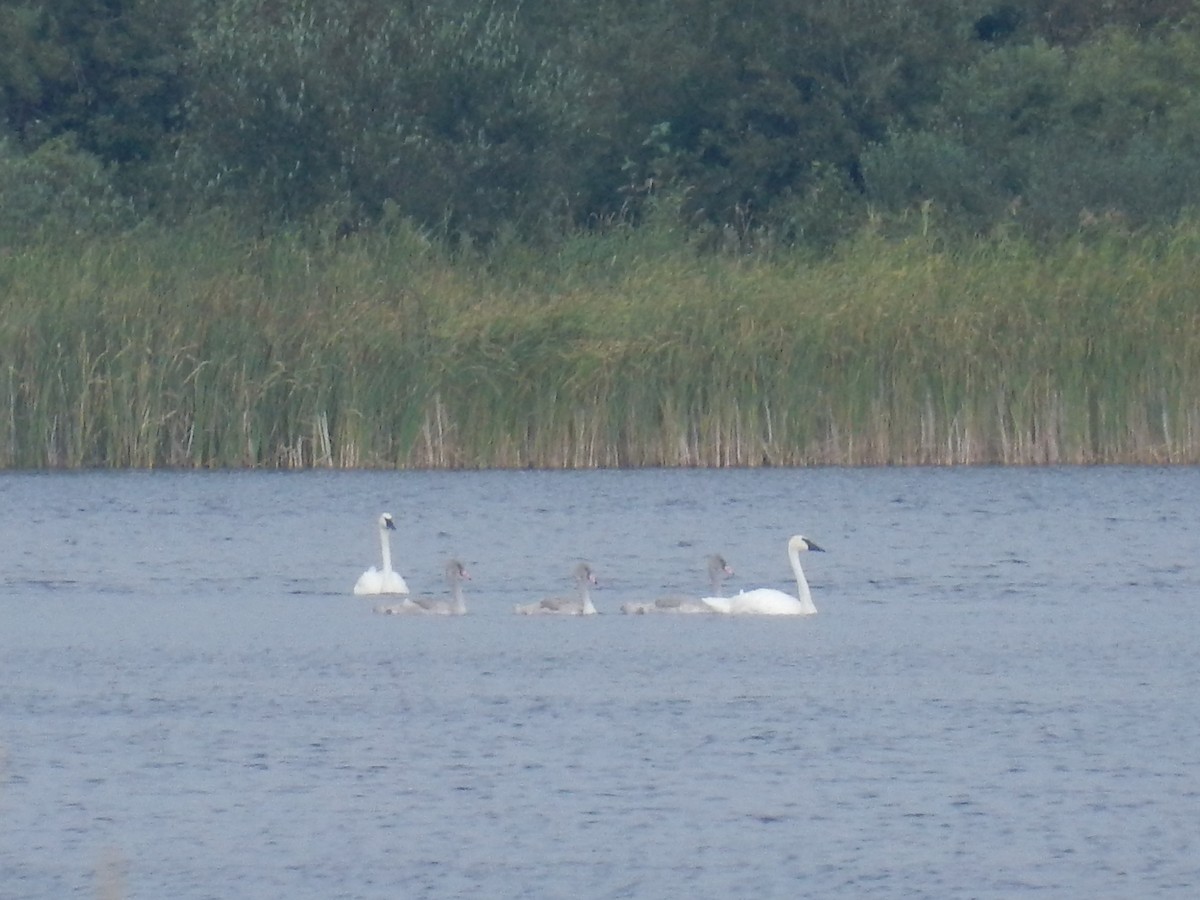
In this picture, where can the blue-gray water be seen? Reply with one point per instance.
(999, 696)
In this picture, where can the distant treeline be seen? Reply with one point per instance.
(772, 122)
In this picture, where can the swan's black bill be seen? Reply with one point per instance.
(812, 546)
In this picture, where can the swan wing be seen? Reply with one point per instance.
(692, 607)
(440, 607)
(369, 582)
(667, 605)
(552, 606)
(393, 583)
(533, 609)
(373, 581)
(661, 605)
(765, 602)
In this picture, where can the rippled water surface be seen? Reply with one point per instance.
(998, 697)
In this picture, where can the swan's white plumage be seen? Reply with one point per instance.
(456, 605)
(718, 571)
(769, 601)
(385, 580)
(580, 605)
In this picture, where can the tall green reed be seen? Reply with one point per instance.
(205, 347)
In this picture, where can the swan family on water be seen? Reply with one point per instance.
(771, 601)
(756, 602)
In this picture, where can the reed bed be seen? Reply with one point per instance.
(199, 348)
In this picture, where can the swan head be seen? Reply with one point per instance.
(718, 566)
(799, 543)
(456, 570)
(387, 522)
(584, 575)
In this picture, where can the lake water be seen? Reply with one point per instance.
(999, 697)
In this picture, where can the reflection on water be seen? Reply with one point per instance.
(996, 698)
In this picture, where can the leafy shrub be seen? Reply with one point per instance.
(54, 191)
(1055, 137)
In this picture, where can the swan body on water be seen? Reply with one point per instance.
(769, 601)
(385, 580)
(456, 573)
(580, 605)
(718, 571)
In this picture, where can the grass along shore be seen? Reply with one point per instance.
(198, 348)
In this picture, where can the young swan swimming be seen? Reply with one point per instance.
(456, 573)
(580, 605)
(769, 601)
(385, 580)
(718, 571)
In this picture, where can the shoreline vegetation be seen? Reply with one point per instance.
(501, 234)
(196, 347)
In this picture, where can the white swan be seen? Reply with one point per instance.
(769, 601)
(456, 573)
(718, 571)
(580, 605)
(385, 580)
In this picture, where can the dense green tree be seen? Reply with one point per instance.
(1069, 22)
(1053, 136)
(105, 71)
(484, 118)
(749, 109)
(441, 113)
(57, 189)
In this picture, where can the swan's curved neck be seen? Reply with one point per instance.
(459, 603)
(585, 597)
(386, 545)
(802, 591)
